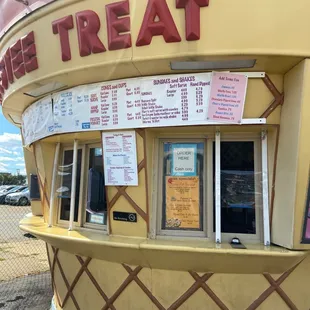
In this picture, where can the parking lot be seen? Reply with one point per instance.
(24, 278)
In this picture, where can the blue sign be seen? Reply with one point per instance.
(184, 160)
(85, 125)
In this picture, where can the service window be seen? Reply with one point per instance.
(241, 203)
(64, 191)
(186, 188)
(90, 206)
(182, 188)
(96, 204)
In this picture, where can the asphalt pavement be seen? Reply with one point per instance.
(25, 283)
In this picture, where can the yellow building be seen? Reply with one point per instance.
(170, 140)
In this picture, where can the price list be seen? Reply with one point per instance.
(120, 158)
(63, 111)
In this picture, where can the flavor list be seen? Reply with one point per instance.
(120, 158)
(227, 97)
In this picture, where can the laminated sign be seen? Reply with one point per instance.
(184, 158)
(182, 203)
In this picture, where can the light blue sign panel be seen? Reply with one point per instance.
(184, 160)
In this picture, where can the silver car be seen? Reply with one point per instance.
(21, 198)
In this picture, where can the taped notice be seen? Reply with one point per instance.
(182, 203)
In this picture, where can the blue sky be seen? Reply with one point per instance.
(11, 151)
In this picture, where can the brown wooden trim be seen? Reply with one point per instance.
(65, 280)
(52, 275)
(271, 86)
(118, 292)
(278, 97)
(195, 287)
(145, 289)
(273, 287)
(274, 174)
(93, 280)
(76, 279)
(143, 135)
(208, 290)
(279, 290)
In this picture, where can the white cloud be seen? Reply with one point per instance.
(4, 150)
(15, 159)
(2, 169)
(11, 152)
(10, 137)
(20, 165)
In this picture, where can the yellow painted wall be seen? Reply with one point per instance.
(262, 38)
(232, 291)
(293, 160)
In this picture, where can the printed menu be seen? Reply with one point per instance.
(173, 100)
(120, 158)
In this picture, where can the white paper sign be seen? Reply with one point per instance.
(159, 101)
(120, 158)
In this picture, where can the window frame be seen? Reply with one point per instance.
(256, 139)
(158, 187)
(85, 224)
(63, 148)
(208, 232)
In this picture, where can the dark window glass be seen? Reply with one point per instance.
(237, 187)
(96, 211)
(64, 192)
(183, 189)
(306, 235)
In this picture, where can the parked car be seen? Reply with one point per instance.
(5, 188)
(18, 199)
(16, 189)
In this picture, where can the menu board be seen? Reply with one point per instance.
(174, 100)
(120, 158)
(227, 97)
(182, 203)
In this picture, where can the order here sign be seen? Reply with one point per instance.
(184, 160)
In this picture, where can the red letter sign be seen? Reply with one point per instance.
(29, 52)
(88, 25)
(8, 65)
(61, 27)
(192, 16)
(117, 25)
(165, 25)
(18, 65)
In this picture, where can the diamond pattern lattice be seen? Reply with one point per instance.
(200, 283)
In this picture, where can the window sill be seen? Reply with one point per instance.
(198, 255)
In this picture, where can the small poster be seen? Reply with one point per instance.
(184, 157)
(182, 203)
(120, 158)
(227, 97)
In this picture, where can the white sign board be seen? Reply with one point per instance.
(160, 101)
(120, 158)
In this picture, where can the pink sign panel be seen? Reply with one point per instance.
(227, 97)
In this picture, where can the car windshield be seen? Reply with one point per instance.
(25, 190)
(15, 189)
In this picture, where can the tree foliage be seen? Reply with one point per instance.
(10, 179)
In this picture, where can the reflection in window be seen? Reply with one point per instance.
(306, 235)
(237, 187)
(64, 192)
(96, 211)
(183, 169)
